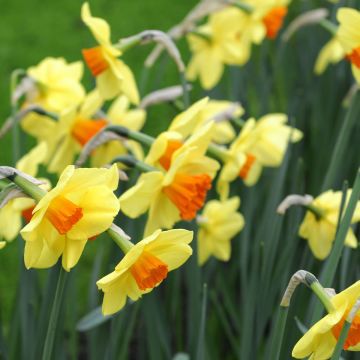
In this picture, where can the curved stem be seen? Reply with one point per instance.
(54, 316)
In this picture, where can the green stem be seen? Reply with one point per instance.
(217, 152)
(131, 134)
(329, 26)
(322, 295)
(132, 162)
(54, 316)
(124, 45)
(316, 211)
(29, 188)
(278, 333)
(3, 184)
(124, 244)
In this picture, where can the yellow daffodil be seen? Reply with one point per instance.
(112, 75)
(331, 53)
(260, 143)
(57, 84)
(213, 45)
(320, 231)
(120, 114)
(12, 213)
(218, 224)
(144, 267)
(57, 87)
(320, 340)
(73, 130)
(349, 36)
(2, 244)
(177, 194)
(81, 206)
(169, 144)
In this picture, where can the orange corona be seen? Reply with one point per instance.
(188, 193)
(28, 213)
(84, 130)
(273, 21)
(148, 271)
(353, 337)
(172, 146)
(95, 60)
(354, 57)
(244, 171)
(63, 214)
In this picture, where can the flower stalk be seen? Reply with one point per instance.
(29, 188)
(120, 238)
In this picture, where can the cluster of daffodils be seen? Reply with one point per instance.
(188, 176)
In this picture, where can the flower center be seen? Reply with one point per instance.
(354, 57)
(165, 159)
(148, 271)
(273, 21)
(353, 337)
(84, 130)
(63, 214)
(95, 60)
(188, 193)
(27, 213)
(249, 162)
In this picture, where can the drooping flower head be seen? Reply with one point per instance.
(260, 143)
(320, 340)
(81, 206)
(175, 194)
(113, 76)
(218, 223)
(144, 267)
(320, 231)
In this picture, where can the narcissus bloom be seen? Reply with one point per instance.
(112, 75)
(218, 224)
(12, 213)
(57, 84)
(81, 206)
(320, 232)
(144, 267)
(177, 194)
(73, 130)
(320, 340)
(57, 87)
(349, 36)
(213, 46)
(260, 143)
(120, 113)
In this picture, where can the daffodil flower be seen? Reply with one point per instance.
(173, 195)
(113, 76)
(320, 340)
(12, 213)
(218, 224)
(260, 143)
(81, 206)
(331, 53)
(320, 230)
(144, 266)
(57, 87)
